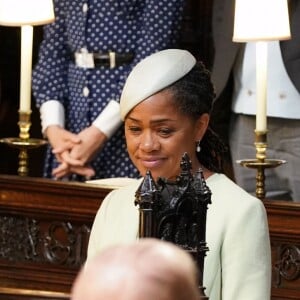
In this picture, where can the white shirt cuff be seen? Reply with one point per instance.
(109, 120)
(52, 113)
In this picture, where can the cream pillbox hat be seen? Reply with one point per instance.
(153, 74)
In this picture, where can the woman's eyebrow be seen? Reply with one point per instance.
(162, 120)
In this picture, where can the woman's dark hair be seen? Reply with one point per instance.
(194, 94)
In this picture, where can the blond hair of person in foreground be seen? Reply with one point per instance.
(149, 269)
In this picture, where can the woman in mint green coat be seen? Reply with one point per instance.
(165, 105)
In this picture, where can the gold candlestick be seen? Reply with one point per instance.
(261, 162)
(23, 142)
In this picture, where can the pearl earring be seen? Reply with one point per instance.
(198, 148)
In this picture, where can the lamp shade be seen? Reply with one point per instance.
(261, 20)
(26, 12)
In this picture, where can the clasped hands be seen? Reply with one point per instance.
(74, 151)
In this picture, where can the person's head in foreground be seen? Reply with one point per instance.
(149, 269)
(166, 102)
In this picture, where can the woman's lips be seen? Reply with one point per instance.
(151, 163)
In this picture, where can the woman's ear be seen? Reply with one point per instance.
(201, 126)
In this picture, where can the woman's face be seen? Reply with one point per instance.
(157, 136)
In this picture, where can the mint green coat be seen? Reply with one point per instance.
(238, 263)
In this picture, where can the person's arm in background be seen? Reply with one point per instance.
(92, 140)
(49, 87)
(49, 82)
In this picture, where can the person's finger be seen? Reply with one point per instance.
(62, 175)
(74, 138)
(85, 171)
(74, 162)
(65, 147)
(61, 171)
(58, 158)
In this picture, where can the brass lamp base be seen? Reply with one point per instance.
(260, 163)
(23, 142)
(23, 146)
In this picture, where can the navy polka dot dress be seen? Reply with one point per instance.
(138, 26)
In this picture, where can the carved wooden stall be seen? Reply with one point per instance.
(45, 227)
(284, 225)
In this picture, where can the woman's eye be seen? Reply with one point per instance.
(134, 129)
(165, 131)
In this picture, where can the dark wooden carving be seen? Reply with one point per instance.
(58, 242)
(19, 238)
(288, 265)
(44, 231)
(176, 212)
(71, 250)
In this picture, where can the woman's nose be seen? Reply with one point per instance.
(149, 143)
